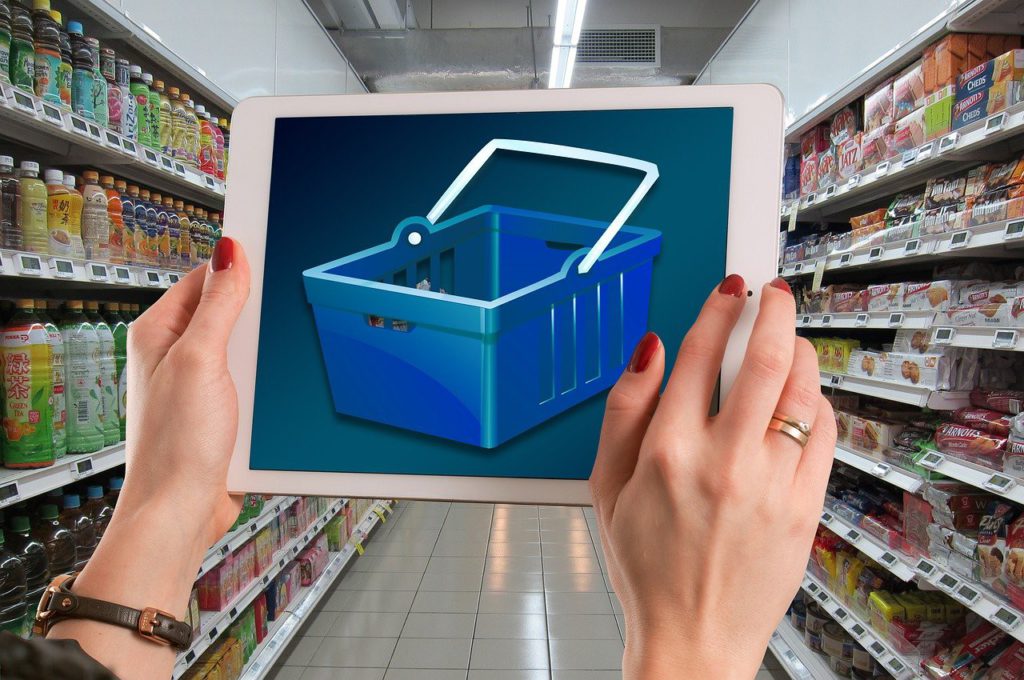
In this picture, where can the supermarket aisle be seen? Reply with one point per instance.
(473, 592)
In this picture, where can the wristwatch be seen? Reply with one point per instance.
(58, 603)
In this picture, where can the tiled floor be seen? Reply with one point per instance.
(454, 591)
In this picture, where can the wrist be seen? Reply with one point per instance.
(653, 653)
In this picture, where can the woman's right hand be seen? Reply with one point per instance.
(707, 522)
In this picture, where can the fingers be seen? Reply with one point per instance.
(225, 290)
(816, 461)
(801, 398)
(687, 396)
(153, 333)
(631, 403)
(767, 362)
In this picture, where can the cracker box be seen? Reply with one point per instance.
(842, 298)
(845, 125)
(992, 314)
(912, 341)
(982, 292)
(921, 370)
(943, 61)
(826, 168)
(867, 364)
(882, 297)
(849, 159)
(909, 132)
(979, 94)
(809, 175)
(877, 145)
(815, 141)
(878, 108)
(929, 296)
(938, 112)
(872, 434)
(908, 91)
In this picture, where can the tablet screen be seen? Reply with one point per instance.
(475, 343)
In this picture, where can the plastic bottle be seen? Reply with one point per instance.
(140, 91)
(108, 69)
(76, 213)
(95, 220)
(12, 591)
(204, 220)
(153, 111)
(191, 132)
(28, 420)
(163, 116)
(81, 77)
(5, 42)
(115, 217)
(97, 509)
(195, 233)
(162, 236)
(119, 328)
(215, 227)
(141, 225)
(81, 349)
(10, 206)
(46, 38)
(108, 375)
(184, 237)
(58, 403)
(128, 218)
(152, 228)
(33, 198)
(32, 553)
(65, 71)
(23, 50)
(219, 146)
(99, 85)
(81, 526)
(114, 485)
(170, 244)
(58, 214)
(57, 539)
(129, 109)
(179, 120)
(207, 143)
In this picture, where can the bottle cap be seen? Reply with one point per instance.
(69, 180)
(106, 180)
(112, 306)
(41, 4)
(115, 483)
(48, 511)
(120, 185)
(179, 205)
(19, 524)
(94, 491)
(189, 207)
(30, 166)
(26, 303)
(168, 201)
(91, 41)
(135, 70)
(159, 85)
(224, 122)
(75, 27)
(54, 176)
(190, 104)
(7, 160)
(92, 305)
(57, 16)
(72, 500)
(147, 78)
(74, 304)
(156, 198)
(144, 193)
(133, 189)
(200, 109)
(91, 176)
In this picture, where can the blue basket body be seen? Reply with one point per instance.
(516, 337)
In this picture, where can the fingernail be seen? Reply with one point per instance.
(780, 283)
(643, 353)
(223, 254)
(733, 285)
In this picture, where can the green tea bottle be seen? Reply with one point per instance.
(81, 360)
(28, 420)
(108, 376)
(23, 50)
(57, 401)
(5, 42)
(119, 328)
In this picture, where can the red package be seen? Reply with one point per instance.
(984, 419)
(809, 175)
(971, 444)
(1004, 401)
(966, 656)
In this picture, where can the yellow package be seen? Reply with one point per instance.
(827, 561)
(914, 606)
(935, 606)
(852, 577)
(884, 607)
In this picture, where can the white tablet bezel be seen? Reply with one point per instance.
(752, 251)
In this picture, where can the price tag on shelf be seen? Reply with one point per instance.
(823, 597)
(948, 142)
(150, 156)
(280, 565)
(931, 460)
(811, 198)
(826, 320)
(835, 380)
(179, 169)
(805, 320)
(895, 319)
(52, 114)
(152, 278)
(881, 469)
(912, 247)
(943, 336)
(925, 151)
(840, 614)
(881, 169)
(97, 272)
(380, 515)
(909, 156)
(213, 633)
(94, 132)
(998, 483)
(845, 259)
(79, 125)
(225, 549)
(112, 139)
(948, 583)
(166, 163)
(1014, 230)
(29, 265)
(876, 648)
(830, 191)
(233, 613)
(129, 147)
(860, 320)
(853, 181)
(875, 254)
(24, 102)
(252, 528)
(1004, 338)
(826, 517)
(794, 209)
(81, 468)
(959, 239)
(1005, 619)
(122, 274)
(925, 568)
(266, 579)
(812, 588)
(798, 267)
(62, 268)
(172, 278)
(995, 123)
(9, 493)
(967, 594)
(896, 666)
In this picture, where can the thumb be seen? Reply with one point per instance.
(628, 412)
(225, 290)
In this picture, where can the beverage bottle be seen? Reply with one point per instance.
(97, 509)
(204, 219)
(207, 143)
(128, 218)
(215, 226)
(191, 132)
(114, 490)
(12, 590)
(170, 243)
(195, 236)
(23, 50)
(152, 228)
(163, 118)
(10, 206)
(46, 38)
(58, 214)
(184, 236)
(153, 111)
(119, 328)
(57, 539)
(162, 230)
(99, 85)
(81, 527)
(136, 312)
(5, 42)
(179, 120)
(65, 71)
(108, 376)
(55, 496)
(58, 404)
(76, 214)
(141, 228)
(81, 77)
(219, 146)
(82, 373)
(33, 198)
(32, 553)
(129, 109)
(140, 91)
(95, 219)
(28, 420)
(115, 216)
(108, 69)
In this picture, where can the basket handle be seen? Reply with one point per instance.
(649, 169)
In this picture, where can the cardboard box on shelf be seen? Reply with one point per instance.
(878, 107)
(909, 132)
(938, 112)
(908, 90)
(929, 296)
(868, 364)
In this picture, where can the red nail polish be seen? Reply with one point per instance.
(643, 353)
(223, 254)
(780, 283)
(733, 285)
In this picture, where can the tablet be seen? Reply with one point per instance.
(445, 286)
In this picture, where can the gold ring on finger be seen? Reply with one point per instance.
(794, 433)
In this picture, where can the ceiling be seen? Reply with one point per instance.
(433, 45)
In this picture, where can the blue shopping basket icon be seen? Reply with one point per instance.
(480, 327)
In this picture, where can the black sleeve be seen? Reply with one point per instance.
(42, 659)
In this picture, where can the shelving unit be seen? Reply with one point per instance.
(66, 272)
(938, 400)
(798, 660)
(17, 485)
(892, 474)
(893, 320)
(233, 540)
(889, 558)
(1005, 485)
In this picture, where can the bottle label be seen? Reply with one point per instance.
(28, 422)
(81, 356)
(122, 395)
(142, 115)
(116, 220)
(5, 56)
(108, 387)
(129, 116)
(99, 99)
(47, 75)
(95, 225)
(64, 78)
(114, 108)
(23, 65)
(58, 221)
(81, 93)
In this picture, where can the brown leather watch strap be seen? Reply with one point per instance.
(60, 603)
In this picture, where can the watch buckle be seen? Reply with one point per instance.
(147, 620)
(41, 625)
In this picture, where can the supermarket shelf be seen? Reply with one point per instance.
(855, 536)
(17, 485)
(989, 16)
(980, 338)
(66, 271)
(26, 120)
(1005, 485)
(233, 540)
(998, 239)
(955, 151)
(974, 596)
(910, 319)
(107, 22)
(890, 474)
(907, 394)
(287, 626)
(798, 660)
(212, 624)
(900, 666)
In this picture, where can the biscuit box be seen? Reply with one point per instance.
(876, 145)
(872, 434)
(911, 341)
(979, 94)
(868, 364)
(826, 168)
(809, 175)
(882, 297)
(921, 370)
(992, 314)
(849, 159)
(878, 108)
(908, 90)
(842, 298)
(933, 295)
(938, 112)
(815, 141)
(844, 426)
(909, 132)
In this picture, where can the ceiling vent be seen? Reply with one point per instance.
(620, 46)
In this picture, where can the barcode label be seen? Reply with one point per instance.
(82, 411)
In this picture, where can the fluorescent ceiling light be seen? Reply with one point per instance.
(567, 29)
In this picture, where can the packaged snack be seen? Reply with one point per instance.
(992, 313)
(882, 297)
(878, 108)
(877, 145)
(844, 425)
(809, 175)
(1004, 401)
(968, 657)
(844, 125)
(921, 370)
(814, 141)
(971, 444)
(984, 419)
(911, 341)
(909, 131)
(938, 112)
(841, 349)
(867, 219)
(841, 298)
(906, 206)
(985, 291)
(908, 90)
(872, 434)
(932, 295)
(826, 169)
(868, 364)
(849, 160)
(943, 61)
(1005, 174)
(1008, 66)
(943, 201)
(979, 94)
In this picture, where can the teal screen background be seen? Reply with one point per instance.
(341, 184)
